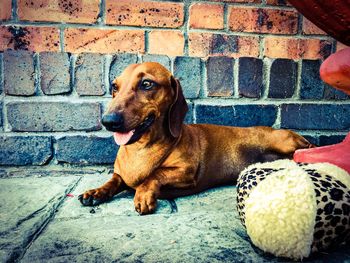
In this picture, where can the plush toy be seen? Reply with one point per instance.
(293, 209)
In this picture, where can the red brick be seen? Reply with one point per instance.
(259, 20)
(144, 13)
(31, 38)
(205, 44)
(78, 40)
(73, 11)
(341, 46)
(278, 2)
(294, 48)
(209, 16)
(310, 28)
(238, 1)
(169, 43)
(5, 9)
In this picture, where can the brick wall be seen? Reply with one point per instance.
(243, 63)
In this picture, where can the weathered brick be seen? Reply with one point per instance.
(188, 71)
(275, 21)
(25, 150)
(170, 43)
(119, 63)
(250, 76)
(189, 114)
(53, 116)
(161, 59)
(31, 38)
(237, 115)
(283, 76)
(310, 28)
(59, 11)
(316, 116)
(331, 93)
(220, 76)
(208, 16)
(144, 13)
(311, 84)
(78, 40)
(19, 73)
(294, 48)
(330, 139)
(55, 77)
(278, 2)
(5, 9)
(86, 150)
(89, 74)
(205, 44)
(1, 106)
(340, 46)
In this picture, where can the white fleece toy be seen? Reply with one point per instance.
(294, 209)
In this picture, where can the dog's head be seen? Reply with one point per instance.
(145, 98)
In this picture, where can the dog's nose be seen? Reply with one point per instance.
(113, 121)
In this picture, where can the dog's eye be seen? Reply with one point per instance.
(147, 84)
(114, 87)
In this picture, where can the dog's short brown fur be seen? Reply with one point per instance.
(172, 159)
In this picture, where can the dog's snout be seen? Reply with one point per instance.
(113, 121)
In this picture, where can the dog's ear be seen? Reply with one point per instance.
(177, 110)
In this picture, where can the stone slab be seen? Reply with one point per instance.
(121, 204)
(26, 205)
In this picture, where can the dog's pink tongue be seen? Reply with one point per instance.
(123, 138)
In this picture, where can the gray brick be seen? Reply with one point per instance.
(19, 76)
(119, 63)
(283, 75)
(189, 115)
(53, 116)
(89, 77)
(86, 150)
(315, 116)
(223, 44)
(311, 84)
(220, 76)
(237, 115)
(25, 150)
(1, 107)
(331, 93)
(250, 77)
(164, 60)
(1, 73)
(188, 71)
(55, 77)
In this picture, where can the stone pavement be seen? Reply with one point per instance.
(40, 223)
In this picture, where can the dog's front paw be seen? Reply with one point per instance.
(145, 202)
(94, 197)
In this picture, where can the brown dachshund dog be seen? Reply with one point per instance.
(160, 157)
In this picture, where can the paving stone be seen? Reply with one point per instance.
(283, 75)
(312, 86)
(25, 150)
(89, 74)
(161, 59)
(54, 116)
(236, 115)
(55, 76)
(86, 150)
(220, 76)
(315, 116)
(19, 77)
(188, 71)
(250, 77)
(120, 205)
(26, 206)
